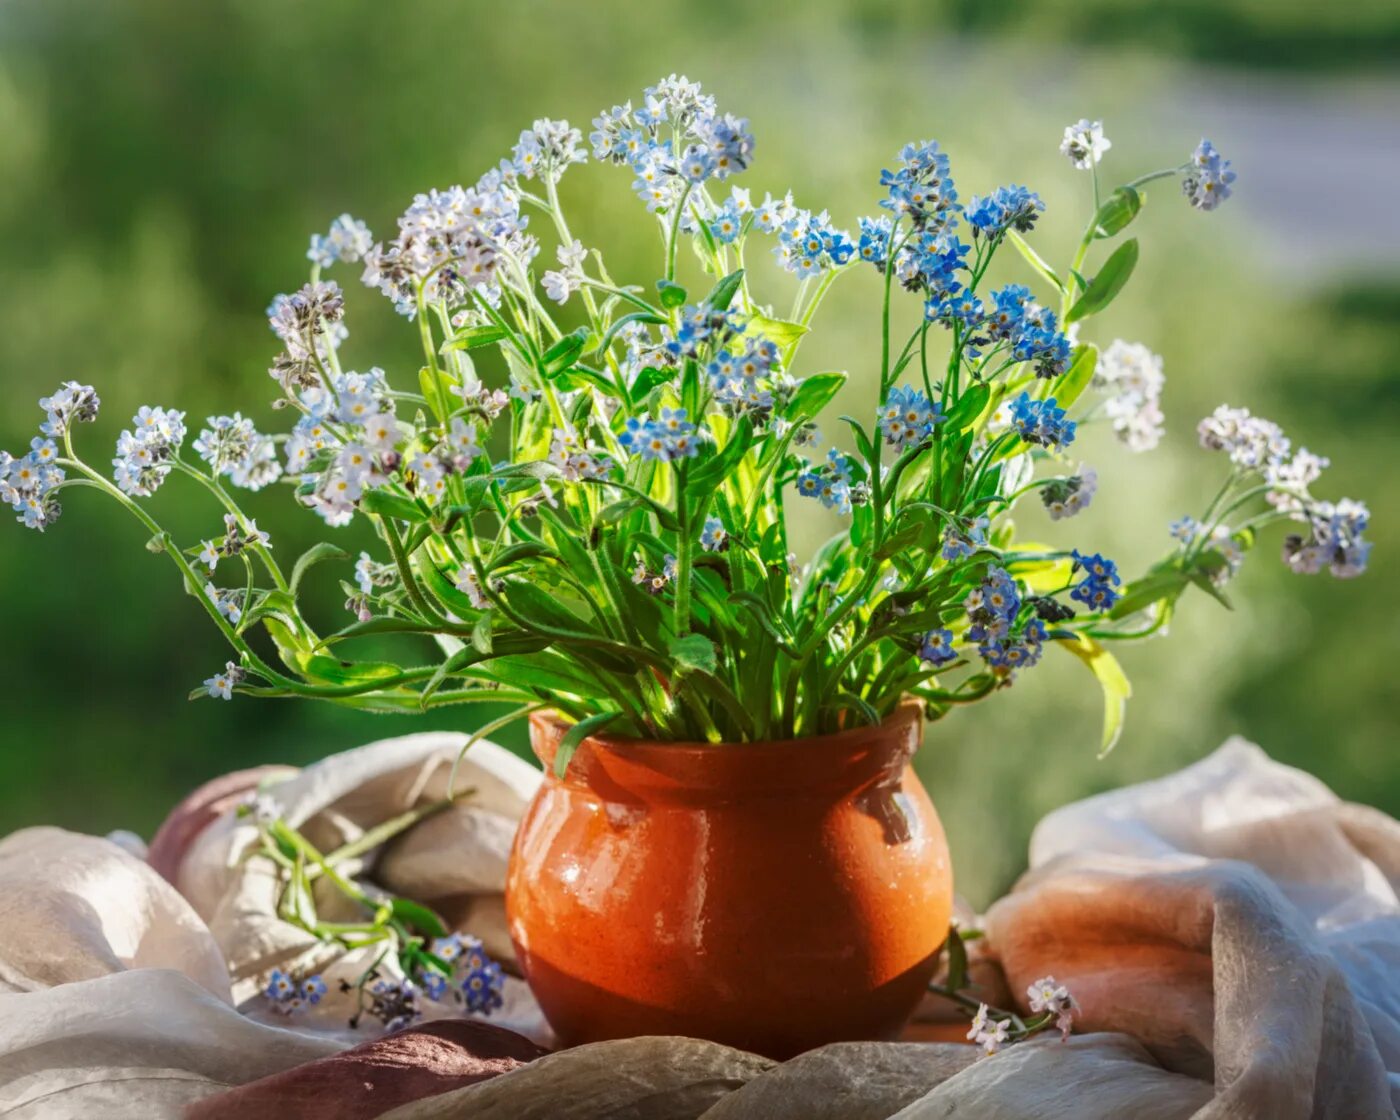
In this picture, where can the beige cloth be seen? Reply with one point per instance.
(1232, 933)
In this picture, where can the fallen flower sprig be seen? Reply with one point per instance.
(992, 1028)
(432, 962)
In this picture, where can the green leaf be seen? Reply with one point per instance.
(481, 633)
(760, 609)
(314, 555)
(781, 331)
(814, 394)
(647, 379)
(863, 444)
(418, 916)
(576, 735)
(1108, 283)
(1033, 259)
(542, 608)
(633, 317)
(1115, 215)
(957, 961)
(561, 355)
(672, 294)
(1202, 580)
(693, 652)
(968, 407)
(374, 626)
(469, 338)
(1077, 378)
(333, 671)
(722, 294)
(513, 554)
(1142, 593)
(381, 503)
(711, 473)
(1112, 680)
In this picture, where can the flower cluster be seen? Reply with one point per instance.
(1045, 997)
(830, 483)
(992, 609)
(309, 324)
(922, 188)
(1131, 377)
(702, 144)
(146, 453)
(348, 240)
(1098, 589)
(1031, 331)
(908, 417)
(70, 404)
(1333, 540)
(29, 485)
(394, 1002)
(664, 438)
(233, 449)
(567, 451)
(546, 149)
(476, 981)
(1207, 183)
(809, 244)
(1010, 207)
(1085, 144)
(1064, 497)
(1262, 455)
(990, 1034)
(451, 244)
(1049, 1002)
(288, 996)
(1043, 423)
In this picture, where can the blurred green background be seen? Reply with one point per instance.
(162, 163)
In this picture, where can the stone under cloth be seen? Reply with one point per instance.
(1232, 933)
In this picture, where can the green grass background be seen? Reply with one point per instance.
(162, 163)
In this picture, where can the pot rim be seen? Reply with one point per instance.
(909, 710)
(842, 759)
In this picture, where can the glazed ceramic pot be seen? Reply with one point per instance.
(769, 896)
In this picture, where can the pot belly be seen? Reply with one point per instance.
(770, 924)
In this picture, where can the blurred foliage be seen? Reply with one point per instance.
(162, 163)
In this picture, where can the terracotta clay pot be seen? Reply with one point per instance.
(769, 896)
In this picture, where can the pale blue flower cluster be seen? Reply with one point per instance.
(1041, 422)
(146, 452)
(703, 144)
(1208, 181)
(963, 540)
(922, 189)
(1031, 330)
(1009, 207)
(992, 608)
(1097, 590)
(477, 982)
(936, 647)
(1334, 540)
(908, 417)
(451, 243)
(809, 244)
(287, 996)
(829, 483)
(547, 149)
(348, 240)
(665, 438)
(29, 484)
